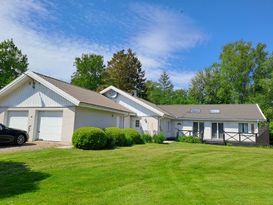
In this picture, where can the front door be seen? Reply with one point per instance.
(217, 130)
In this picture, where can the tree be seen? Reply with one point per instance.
(124, 71)
(166, 87)
(237, 63)
(89, 71)
(12, 62)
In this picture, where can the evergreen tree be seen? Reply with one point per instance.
(124, 71)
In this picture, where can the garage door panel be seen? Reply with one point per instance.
(50, 126)
(18, 120)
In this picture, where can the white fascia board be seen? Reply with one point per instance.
(53, 88)
(261, 111)
(133, 99)
(13, 83)
(96, 107)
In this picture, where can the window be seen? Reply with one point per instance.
(169, 125)
(243, 127)
(214, 111)
(252, 128)
(195, 110)
(137, 123)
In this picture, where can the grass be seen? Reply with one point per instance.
(178, 173)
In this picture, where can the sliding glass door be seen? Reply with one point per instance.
(217, 130)
(198, 129)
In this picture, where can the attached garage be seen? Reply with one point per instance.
(50, 109)
(18, 120)
(50, 125)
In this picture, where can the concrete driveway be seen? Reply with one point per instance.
(31, 146)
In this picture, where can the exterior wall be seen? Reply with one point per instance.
(148, 120)
(231, 129)
(148, 125)
(96, 118)
(67, 125)
(133, 106)
(33, 95)
(166, 126)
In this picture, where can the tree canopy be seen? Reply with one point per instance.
(12, 62)
(124, 71)
(89, 71)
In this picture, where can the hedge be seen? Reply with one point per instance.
(115, 135)
(134, 135)
(89, 138)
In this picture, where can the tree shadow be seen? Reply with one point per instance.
(17, 178)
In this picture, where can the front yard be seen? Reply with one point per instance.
(143, 174)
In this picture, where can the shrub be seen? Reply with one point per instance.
(134, 135)
(190, 139)
(89, 138)
(159, 138)
(128, 141)
(147, 138)
(116, 136)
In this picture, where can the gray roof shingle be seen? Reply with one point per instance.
(227, 111)
(85, 95)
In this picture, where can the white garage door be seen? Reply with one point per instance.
(18, 120)
(50, 125)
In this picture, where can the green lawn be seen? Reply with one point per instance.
(145, 174)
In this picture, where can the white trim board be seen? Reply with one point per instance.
(133, 99)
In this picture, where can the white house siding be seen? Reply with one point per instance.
(34, 98)
(229, 127)
(148, 119)
(67, 123)
(96, 118)
(166, 127)
(34, 95)
(148, 125)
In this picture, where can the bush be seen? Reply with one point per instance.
(128, 141)
(190, 139)
(134, 135)
(147, 138)
(115, 135)
(89, 138)
(159, 138)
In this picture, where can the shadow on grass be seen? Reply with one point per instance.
(17, 178)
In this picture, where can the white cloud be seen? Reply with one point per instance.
(52, 55)
(158, 35)
(162, 33)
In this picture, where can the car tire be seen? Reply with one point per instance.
(20, 139)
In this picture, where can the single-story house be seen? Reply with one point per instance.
(51, 109)
(229, 122)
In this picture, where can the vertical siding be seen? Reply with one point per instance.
(33, 96)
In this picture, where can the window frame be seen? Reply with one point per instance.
(137, 123)
(243, 128)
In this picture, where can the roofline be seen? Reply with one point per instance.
(261, 111)
(132, 98)
(221, 119)
(53, 87)
(97, 107)
(12, 83)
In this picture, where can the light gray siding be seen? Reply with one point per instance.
(33, 95)
(96, 118)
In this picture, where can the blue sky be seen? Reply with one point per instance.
(180, 37)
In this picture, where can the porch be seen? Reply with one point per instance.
(234, 138)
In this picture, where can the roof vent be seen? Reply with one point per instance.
(214, 111)
(195, 110)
